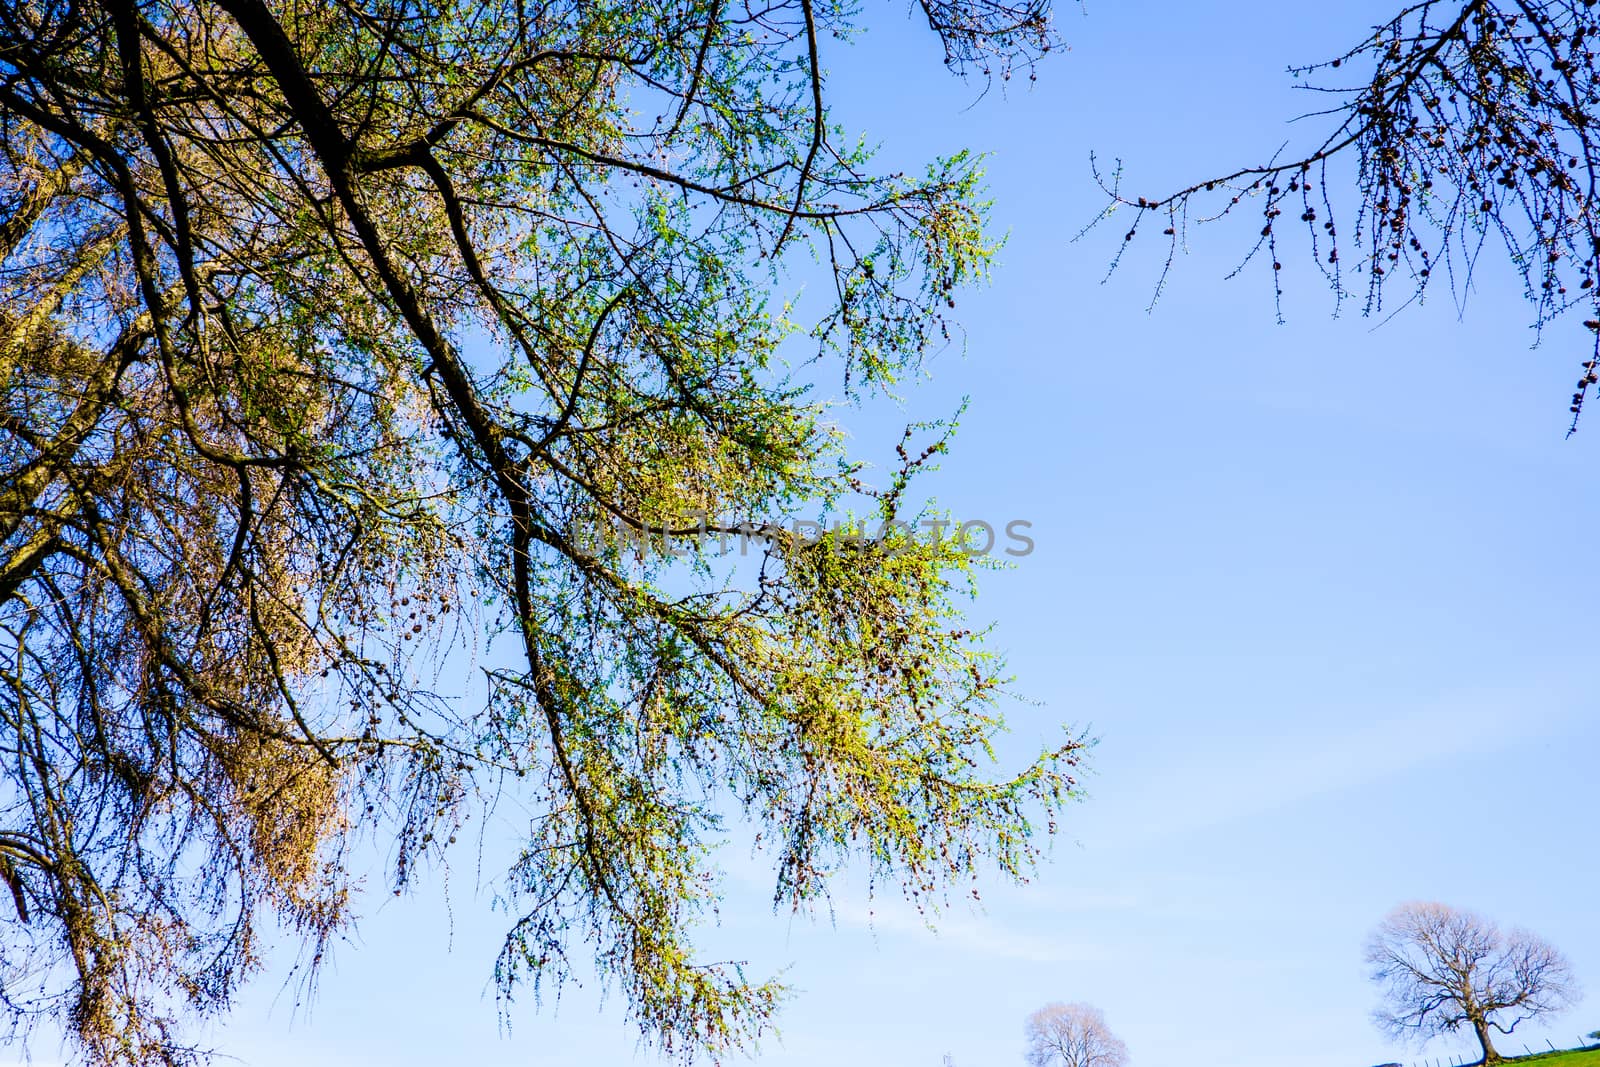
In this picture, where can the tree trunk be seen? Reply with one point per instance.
(1481, 1027)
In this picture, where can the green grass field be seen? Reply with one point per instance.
(1582, 1058)
(1586, 1057)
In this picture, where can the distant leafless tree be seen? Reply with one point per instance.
(1443, 969)
(1073, 1035)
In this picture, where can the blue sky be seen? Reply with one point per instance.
(1322, 589)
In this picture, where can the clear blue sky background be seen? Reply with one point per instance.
(1324, 590)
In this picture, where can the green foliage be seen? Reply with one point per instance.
(329, 331)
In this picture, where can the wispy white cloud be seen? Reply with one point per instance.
(975, 934)
(1224, 779)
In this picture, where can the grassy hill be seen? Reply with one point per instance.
(1583, 1057)
(1589, 1057)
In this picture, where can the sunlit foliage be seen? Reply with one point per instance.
(325, 331)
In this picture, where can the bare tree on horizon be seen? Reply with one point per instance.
(1073, 1035)
(1442, 968)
